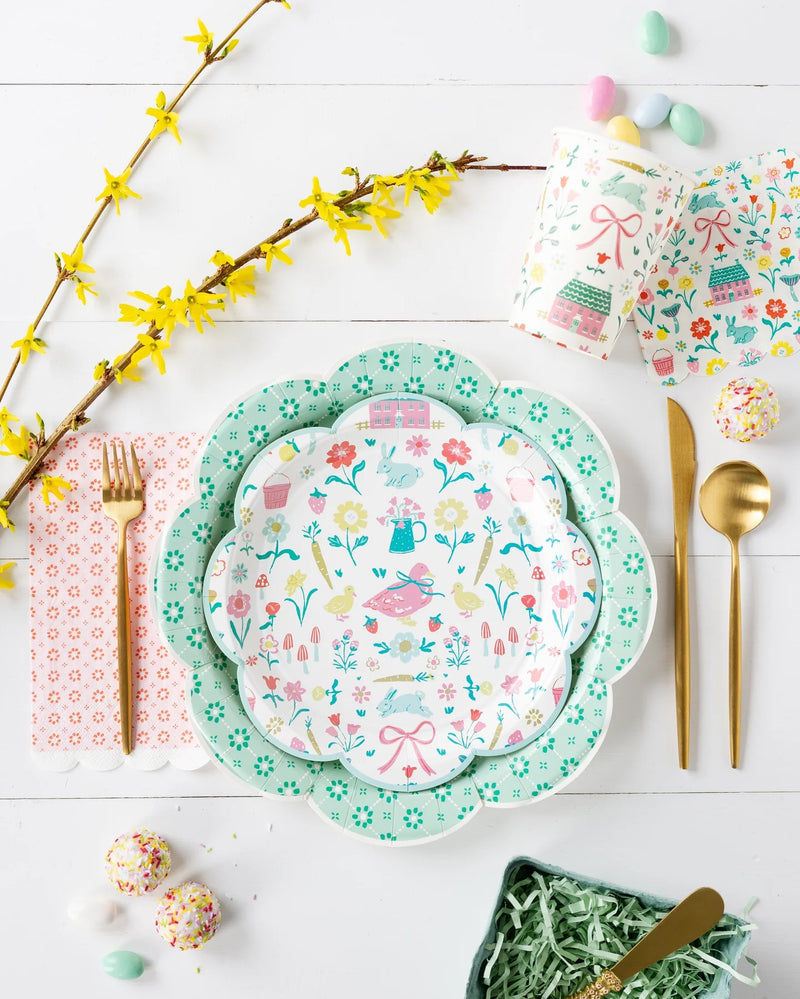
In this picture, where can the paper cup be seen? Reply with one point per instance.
(603, 218)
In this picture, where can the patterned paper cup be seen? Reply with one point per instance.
(604, 215)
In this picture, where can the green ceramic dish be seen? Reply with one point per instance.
(615, 642)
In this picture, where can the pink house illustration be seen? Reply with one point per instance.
(729, 284)
(581, 308)
(405, 413)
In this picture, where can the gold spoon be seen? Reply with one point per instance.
(734, 499)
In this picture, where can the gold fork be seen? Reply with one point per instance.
(123, 501)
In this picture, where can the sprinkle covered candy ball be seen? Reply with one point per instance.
(137, 862)
(188, 916)
(746, 409)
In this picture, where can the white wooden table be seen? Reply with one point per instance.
(308, 93)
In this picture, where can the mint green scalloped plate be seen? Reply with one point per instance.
(614, 644)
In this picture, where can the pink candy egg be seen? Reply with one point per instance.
(599, 97)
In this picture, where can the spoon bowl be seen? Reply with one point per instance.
(734, 500)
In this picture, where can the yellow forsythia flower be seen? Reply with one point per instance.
(153, 349)
(321, 200)
(340, 224)
(117, 188)
(166, 121)
(205, 40)
(383, 186)
(4, 520)
(240, 283)
(219, 259)
(128, 372)
(161, 310)
(16, 444)
(54, 486)
(74, 263)
(198, 304)
(81, 287)
(379, 212)
(6, 584)
(28, 343)
(274, 251)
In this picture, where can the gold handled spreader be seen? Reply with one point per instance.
(690, 919)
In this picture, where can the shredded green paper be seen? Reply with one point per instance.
(553, 935)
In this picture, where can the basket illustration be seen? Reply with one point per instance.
(663, 362)
(276, 491)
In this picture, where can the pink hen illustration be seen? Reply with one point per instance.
(407, 595)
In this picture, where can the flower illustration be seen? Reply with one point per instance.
(781, 348)
(700, 328)
(506, 575)
(749, 312)
(275, 528)
(776, 308)
(238, 604)
(404, 646)
(456, 452)
(351, 516)
(342, 453)
(715, 365)
(418, 445)
(519, 522)
(294, 582)
(294, 690)
(450, 514)
(564, 595)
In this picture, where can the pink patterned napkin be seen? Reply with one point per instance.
(73, 577)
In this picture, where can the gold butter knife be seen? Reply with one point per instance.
(690, 919)
(682, 461)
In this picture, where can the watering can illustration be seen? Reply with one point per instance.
(403, 536)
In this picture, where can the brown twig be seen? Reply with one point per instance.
(209, 57)
(77, 417)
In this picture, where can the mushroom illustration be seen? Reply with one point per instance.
(302, 657)
(486, 634)
(261, 585)
(670, 312)
(790, 280)
(513, 639)
(315, 638)
(499, 650)
(288, 645)
(538, 575)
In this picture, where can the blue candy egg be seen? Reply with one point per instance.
(652, 110)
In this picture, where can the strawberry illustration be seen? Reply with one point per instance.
(317, 501)
(371, 624)
(483, 496)
(434, 623)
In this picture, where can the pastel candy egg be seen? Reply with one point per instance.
(599, 97)
(91, 912)
(653, 32)
(652, 110)
(687, 124)
(622, 128)
(123, 964)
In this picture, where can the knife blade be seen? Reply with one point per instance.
(682, 462)
(690, 919)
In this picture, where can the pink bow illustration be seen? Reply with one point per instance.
(610, 220)
(390, 734)
(719, 222)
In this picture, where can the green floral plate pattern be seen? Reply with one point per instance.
(613, 645)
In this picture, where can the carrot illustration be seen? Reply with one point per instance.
(312, 532)
(491, 527)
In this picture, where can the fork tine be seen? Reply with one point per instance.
(106, 473)
(126, 479)
(115, 462)
(137, 475)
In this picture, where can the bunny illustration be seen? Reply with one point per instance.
(625, 189)
(698, 203)
(740, 334)
(399, 475)
(409, 703)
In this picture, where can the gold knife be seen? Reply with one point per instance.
(682, 460)
(690, 919)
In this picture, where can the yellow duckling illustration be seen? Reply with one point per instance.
(465, 601)
(341, 605)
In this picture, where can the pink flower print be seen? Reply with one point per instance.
(514, 738)
(238, 604)
(453, 630)
(456, 452)
(294, 690)
(475, 714)
(664, 194)
(458, 725)
(772, 172)
(749, 312)
(352, 729)
(645, 296)
(447, 692)
(348, 633)
(478, 727)
(418, 445)
(580, 556)
(564, 595)
(511, 684)
(361, 694)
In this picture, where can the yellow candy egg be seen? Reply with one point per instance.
(622, 128)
